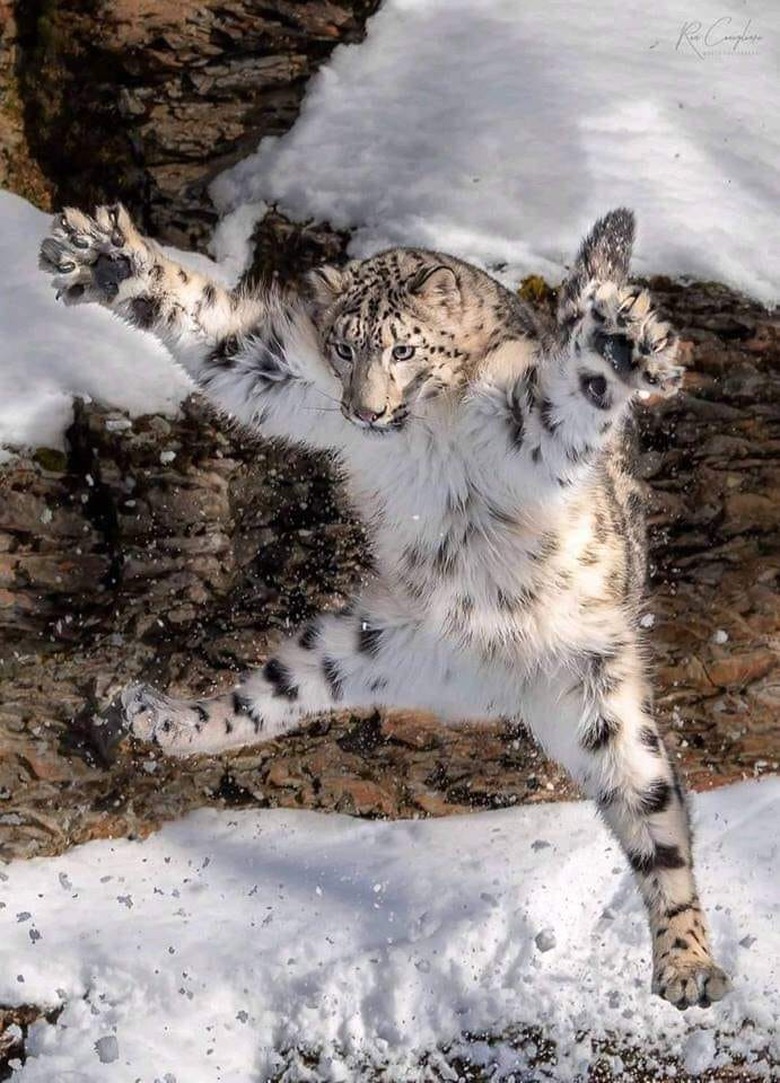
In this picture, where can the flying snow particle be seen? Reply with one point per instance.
(545, 939)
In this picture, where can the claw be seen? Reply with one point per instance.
(72, 294)
(50, 253)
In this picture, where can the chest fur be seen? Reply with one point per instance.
(504, 582)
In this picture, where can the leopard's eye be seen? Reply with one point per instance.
(403, 353)
(342, 350)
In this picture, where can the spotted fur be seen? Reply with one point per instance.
(487, 450)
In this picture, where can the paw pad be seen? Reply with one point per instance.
(617, 349)
(620, 326)
(84, 255)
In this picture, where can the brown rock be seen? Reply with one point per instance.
(283, 772)
(49, 766)
(433, 804)
(60, 574)
(414, 729)
(147, 100)
(359, 797)
(742, 669)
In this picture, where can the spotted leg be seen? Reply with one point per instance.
(598, 723)
(255, 354)
(361, 658)
(539, 417)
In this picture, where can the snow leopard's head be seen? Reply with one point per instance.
(392, 329)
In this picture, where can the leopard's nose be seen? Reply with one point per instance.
(368, 415)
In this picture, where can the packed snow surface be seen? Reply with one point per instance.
(499, 130)
(227, 944)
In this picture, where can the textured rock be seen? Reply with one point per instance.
(147, 100)
(712, 462)
(18, 169)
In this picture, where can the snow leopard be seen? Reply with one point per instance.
(487, 449)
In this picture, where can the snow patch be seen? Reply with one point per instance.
(230, 944)
(499, 132)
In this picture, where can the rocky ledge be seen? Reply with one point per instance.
(148, 100)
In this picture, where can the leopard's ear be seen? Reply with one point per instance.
(324, 284)
(436, 286)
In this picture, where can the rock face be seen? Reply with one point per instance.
(147, 100)
(711, 460)
(176, 551)
(18, 170)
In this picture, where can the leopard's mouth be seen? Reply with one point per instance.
(393, 422)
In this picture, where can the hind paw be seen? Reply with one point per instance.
(690, 983)
(157, 719)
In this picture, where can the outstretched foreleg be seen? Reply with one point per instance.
(542, 411)
(255, 355)
(611, 345)
(104, 259)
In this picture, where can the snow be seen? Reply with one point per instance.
(51, 353)
(232, 943)
(499, 131)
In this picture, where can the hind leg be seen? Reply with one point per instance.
(366, 657)
(599, 725)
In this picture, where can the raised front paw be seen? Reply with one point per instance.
(90, 257)
(688, 978)
(620, 328)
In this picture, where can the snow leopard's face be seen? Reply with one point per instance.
(389, 328)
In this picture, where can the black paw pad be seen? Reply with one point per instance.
(595, 388)
(617, 349)
(108, 272)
